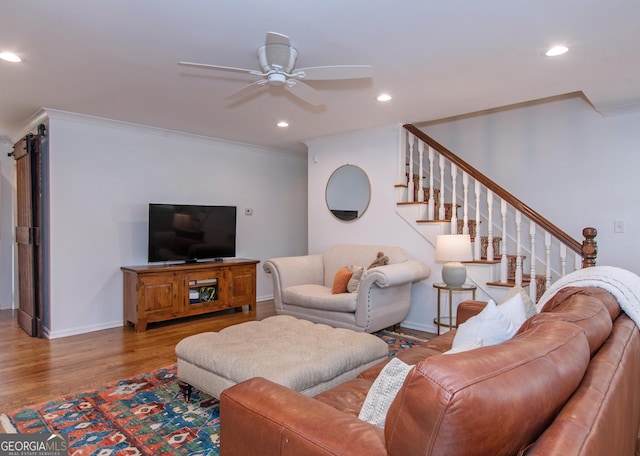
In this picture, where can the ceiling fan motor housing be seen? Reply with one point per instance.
(278, 57)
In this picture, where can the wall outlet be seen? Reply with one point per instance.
(248, 211)
(618, 226)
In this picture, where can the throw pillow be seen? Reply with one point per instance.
(491, 326)
(341, 280)
(513, 309)
(380, 260)
(465, 347)
(529, 306)
(358, 274)
(383, 391)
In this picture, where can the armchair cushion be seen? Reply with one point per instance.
(319, 296)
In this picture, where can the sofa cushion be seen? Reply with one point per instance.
(318, 296)
(609, 301)
(586, 311)
(490, 401)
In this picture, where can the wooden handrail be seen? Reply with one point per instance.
(563, 237)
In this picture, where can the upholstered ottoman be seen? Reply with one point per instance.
(305, 356)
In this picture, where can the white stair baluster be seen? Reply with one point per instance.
(432, 200)
(410, 186)
(476, 241)
(420, 172)
(533, 284)
(441, 162)
(518, 248)
(465, 203)
(490, 226)
(563, 259)
(503, 249)
(454, 198)
(547, 259)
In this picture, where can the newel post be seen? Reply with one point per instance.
(589, 247)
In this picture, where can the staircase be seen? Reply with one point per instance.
(439, 193)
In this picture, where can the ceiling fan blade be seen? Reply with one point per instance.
(248, 90)
(304, 92)
(334, 72)
(277, 38)
(223, 68)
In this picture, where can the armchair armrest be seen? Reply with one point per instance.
(395, 274)
(262, 417)
(467, 309)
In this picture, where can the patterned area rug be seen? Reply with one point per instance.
(145, 415)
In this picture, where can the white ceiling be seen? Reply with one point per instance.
(118, 59)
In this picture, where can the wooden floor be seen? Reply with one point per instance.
(36, 370)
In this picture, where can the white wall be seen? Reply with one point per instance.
(566, 161)
(560, 157)
(375, 151)
(103, 174)
(7, 225)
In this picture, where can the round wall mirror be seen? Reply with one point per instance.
(348, 192)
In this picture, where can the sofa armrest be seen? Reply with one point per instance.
(468, 309)
(261, 417)
(391, 275)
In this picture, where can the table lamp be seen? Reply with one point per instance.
(452, 249)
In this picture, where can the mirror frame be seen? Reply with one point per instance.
(339, 173)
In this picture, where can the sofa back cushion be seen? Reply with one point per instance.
(488, 401)
(584, 309)
(341, 255)
(609, 301)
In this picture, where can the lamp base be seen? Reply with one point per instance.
(454, 273)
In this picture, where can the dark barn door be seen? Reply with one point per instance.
(28, 153)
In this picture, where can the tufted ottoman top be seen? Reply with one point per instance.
(295, 353)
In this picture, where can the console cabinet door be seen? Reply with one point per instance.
(242, 286)
(158, 295)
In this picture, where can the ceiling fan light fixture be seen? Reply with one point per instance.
(282, 124)
(556, 51)
(10, 57)
(384, 97)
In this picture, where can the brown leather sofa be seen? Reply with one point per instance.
(566, 384)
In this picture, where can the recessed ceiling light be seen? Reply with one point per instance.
(384, 97)
(556, 50)
(282, 124)
(10, 57)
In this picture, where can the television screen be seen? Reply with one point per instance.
(183, 232)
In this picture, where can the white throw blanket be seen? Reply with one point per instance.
(623, 284)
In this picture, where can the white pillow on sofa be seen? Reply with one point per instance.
(514, 309)
(383, 391)
(491, 326)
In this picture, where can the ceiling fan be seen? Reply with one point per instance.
(277, 60)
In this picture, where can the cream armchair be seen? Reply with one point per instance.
(302, 287)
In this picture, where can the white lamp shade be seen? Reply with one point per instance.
(453, 247)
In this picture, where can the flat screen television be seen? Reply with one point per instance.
(186, 232)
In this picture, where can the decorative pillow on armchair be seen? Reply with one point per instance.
(341, 280)
(358, 274)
